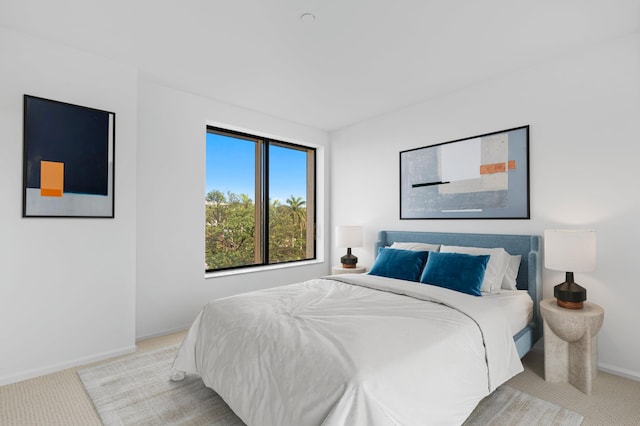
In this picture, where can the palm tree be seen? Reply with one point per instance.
(298, 214)
(244, 199)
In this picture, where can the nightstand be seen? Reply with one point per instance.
(340, 270)
(571, 343)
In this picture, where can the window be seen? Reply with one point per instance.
(259, 201)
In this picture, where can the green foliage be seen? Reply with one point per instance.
(230, 230)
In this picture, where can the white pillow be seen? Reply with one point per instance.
(416, 246)
(496, 267)
(510, 275)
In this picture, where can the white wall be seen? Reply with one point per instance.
(67, 286)
(584, 112)
(171, 287)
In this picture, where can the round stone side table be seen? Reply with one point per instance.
(340, 270)
(571, 343)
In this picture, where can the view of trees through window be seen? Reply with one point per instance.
(259, 201)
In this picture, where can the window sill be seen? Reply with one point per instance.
(253, 269)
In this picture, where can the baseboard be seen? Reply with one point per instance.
(629, 374)
(163, 333)
(30, 374)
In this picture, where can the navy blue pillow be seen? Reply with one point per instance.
(456, 271)
(400, 264)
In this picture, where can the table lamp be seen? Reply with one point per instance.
(348, 237)
(570, 251)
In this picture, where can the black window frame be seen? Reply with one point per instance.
(262, 204)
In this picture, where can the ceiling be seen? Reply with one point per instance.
(358, 59)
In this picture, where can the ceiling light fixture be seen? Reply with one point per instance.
(307, 17)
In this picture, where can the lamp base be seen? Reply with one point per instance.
(569, 294)
(570, 305)
(349, 260)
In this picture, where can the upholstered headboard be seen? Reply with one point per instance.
(528, 246)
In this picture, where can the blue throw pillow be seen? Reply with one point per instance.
(456, 271)
(400, 264)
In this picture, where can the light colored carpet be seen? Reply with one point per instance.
(136, 390)
(615, 400)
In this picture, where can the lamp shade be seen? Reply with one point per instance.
(570, 250)
(349, 236)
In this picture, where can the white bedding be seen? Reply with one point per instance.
(326, 352)
(517, 306)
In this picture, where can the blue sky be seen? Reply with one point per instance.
(231, 167)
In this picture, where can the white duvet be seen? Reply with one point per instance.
(364, 350)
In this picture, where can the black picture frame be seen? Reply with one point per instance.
(68, 160)
(479, 177)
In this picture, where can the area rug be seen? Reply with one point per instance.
(507, 406)
(137, 390)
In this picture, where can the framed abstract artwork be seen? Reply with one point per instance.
(68, 167)
(480, 177)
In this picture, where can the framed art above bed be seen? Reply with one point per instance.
(479, 177)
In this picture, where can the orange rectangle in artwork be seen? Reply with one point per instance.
(487, 169)
(51, 179)
(50, 192)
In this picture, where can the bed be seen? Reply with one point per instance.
(365, 349)
(529, 275)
